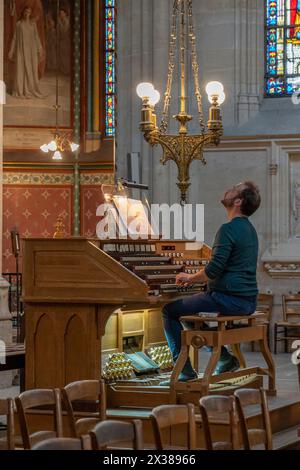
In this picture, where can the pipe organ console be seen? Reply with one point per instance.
(158, 264)
(93, 308)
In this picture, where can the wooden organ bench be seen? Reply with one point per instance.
(227, 332)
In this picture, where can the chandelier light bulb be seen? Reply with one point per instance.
(74, 146)
(57, 155)
(221, 98)
(214, 88)
(154, 97)
(52, 146)
(44, 148)
(144, 89)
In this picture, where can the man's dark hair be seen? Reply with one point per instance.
(251, 198)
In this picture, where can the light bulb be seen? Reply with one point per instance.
(154, 97)
(57, 155)
(214, 88)
(74, 146)
(44, 148)
(221, 98)
(144, 89)
(52, 146)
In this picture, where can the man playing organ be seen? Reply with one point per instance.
(230, 276)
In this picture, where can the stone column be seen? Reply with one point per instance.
(162, 175)
(143, 40)
(249, 17)
(5, 316)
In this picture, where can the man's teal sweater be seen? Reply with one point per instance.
(232, 268)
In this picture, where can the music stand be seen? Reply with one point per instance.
(15, 245)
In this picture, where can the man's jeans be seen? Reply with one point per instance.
(211, 302)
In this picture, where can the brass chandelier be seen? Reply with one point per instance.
(182, 148)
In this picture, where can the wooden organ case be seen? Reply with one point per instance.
(86, 299)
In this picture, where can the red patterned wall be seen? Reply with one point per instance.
(33, 210)
(91, 198)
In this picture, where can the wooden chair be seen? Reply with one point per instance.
(110, 433)
(256, 436)
(224, 406)
(264, 305)
(64, 443)
(88, 391)
(289, 327)
(165, 417)
(7, 409)
(33, 399)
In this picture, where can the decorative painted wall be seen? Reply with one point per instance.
(36, 189)
(30, 96)
(32, 202)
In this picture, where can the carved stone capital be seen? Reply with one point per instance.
(273, 169)
(283, 269)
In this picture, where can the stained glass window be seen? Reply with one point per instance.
(110, 58)
(282, 47)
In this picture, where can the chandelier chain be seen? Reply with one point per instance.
(182, 148)
(173, 40)
(195, 65)
(178, 6)
(182, 49)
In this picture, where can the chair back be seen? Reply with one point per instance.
(80, 391)
(254, 436)
(109, 433)
(291, 308)
(216, 407)
(7, 409)
(167, 416)
(265, 305)
(64, 443)
(33, 399)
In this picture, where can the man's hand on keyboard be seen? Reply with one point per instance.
(184, 279)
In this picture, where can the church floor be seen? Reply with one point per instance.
(288, 395)
(286, 371)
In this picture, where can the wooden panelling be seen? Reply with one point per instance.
(75, 335)
(155, 332)
(110, 339)
(132, 322)
(71, 289)
(44, 337)
(76, 269)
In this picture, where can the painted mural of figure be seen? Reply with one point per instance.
(64, 41)
(26, 52)
(295, 19)
(51, 44)
(296, 206)
(13, 12)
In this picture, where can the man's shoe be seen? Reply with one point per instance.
(182, 378)
(229, 364)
